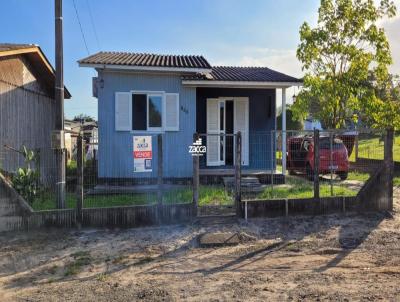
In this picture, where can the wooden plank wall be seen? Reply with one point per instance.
(27, 116)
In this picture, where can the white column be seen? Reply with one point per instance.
(283, 131)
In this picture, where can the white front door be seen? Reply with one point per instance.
(241, 123)
(216, 125)
(213, 123)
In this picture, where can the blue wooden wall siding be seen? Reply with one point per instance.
(262, 111)
(116, 147)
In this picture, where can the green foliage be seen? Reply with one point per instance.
(71, 168)
(83, 118)
(339, 56)
(291, 122)
(26, 179)
(382, 103)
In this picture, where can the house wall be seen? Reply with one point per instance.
(116, 147)
(27, 116)
(262, 112)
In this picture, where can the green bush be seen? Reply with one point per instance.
(26, 179)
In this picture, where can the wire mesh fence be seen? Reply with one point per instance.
(333, 161)
(272, 165)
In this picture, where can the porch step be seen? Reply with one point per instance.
(216, 210)
(215, 220)
(248, 184)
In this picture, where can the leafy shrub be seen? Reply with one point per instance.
(26, 179)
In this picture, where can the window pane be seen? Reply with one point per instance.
(139, 112)
(155, 109)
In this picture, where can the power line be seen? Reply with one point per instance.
(94, 27)
(80, 26)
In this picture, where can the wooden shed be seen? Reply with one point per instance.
(27, 107)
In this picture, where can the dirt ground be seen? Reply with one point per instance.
(327, 258)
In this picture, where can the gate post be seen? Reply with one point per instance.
(389, 169)
(196, 180)
(316, 164)
(238, 162)
(79, 185)
(159, 176)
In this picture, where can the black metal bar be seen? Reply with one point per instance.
(79, 185)
(316, 163)
(238, 163)
(196, 179)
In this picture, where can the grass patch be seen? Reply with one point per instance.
(373, 148)
(208, 195)
(81, 258)
(298, 187)
(102, 277)
(360, 176)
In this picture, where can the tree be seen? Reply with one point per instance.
(382, 109)
(83, 118)
(339, 56)
(291, 123)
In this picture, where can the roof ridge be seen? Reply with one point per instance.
(148, 53)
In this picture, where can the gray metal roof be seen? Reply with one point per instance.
(146, 59)
(247, 74)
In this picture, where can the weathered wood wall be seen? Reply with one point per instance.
(27, 116)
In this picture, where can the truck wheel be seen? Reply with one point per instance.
(343, 175)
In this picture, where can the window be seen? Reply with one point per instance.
(146, 111)
(154, 103)
(139, 112)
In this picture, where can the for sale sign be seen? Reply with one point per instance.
(142, 154)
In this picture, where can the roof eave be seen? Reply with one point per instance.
(240, 84)
(36, 50)
(146, 68)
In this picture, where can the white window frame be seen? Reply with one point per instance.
(154, 93)
(176, 128)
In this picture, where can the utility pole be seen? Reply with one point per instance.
(59, 99)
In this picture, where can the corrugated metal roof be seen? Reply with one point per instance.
(247, 74)
(146, 59)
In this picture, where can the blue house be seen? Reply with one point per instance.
(146, 94)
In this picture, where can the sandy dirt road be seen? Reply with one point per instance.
(346, 257)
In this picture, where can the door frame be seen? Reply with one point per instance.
(245, 142)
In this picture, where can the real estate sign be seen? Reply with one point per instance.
(142, 154)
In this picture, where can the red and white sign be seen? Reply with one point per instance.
(142, 154)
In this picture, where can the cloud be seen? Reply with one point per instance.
(281, 60)
(392, 29)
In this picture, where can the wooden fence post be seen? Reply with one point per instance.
(356, 148)
(316, 163)
(389, 168)
(196, 178)
(159, 175)
(79, 184)
(238, 163)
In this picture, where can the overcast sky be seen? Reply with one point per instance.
(226, 32)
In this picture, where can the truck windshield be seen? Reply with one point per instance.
(325, 144)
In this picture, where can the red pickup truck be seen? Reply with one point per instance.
(300, 156)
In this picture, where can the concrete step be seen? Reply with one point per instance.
(217, 210)
(248, 184)
(216, 220)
